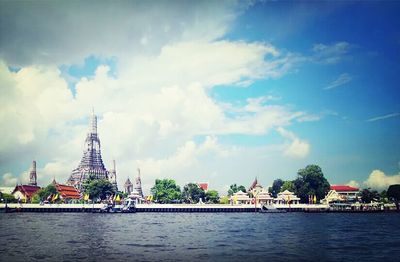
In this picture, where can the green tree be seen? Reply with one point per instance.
(367, 196)
(43, 193)
(276, 187)
(288, 185)
(224, 200)
(383, 196)
(234, 188)
(393, 194)
(192, 193)
(98, 188)
(212, 196)
(166, 191)
(9, 198)
(311, 181)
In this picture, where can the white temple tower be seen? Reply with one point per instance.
(91, 163)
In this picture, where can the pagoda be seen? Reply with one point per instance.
(33, 175)
(91, 164)
(138, 186)
(128, 186)
(113, 176)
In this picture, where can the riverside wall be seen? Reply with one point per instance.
(184, 208)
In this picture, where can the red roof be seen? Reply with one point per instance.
(27, 190)
(203, 185)
(69, 192)
(254, 184)
(343, 188)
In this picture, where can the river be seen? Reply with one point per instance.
(199, 237)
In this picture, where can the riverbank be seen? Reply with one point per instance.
(174, 208)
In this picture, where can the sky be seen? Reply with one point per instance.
(202, 91)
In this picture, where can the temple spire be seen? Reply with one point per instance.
(93, 123)
(91, 164)
(33, 175)
(138, 186)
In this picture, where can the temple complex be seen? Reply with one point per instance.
(25, 192)
(91, 163)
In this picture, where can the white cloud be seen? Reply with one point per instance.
(380, 181)
(9, 180)
(341, 80)
(373, 119)
(297, 148)
(65, 33)
(330, 54)
(353, 183)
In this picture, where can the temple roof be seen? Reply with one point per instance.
(343, 188)
(27, 190)
(203, 185)
(66, 191)
(254, 184)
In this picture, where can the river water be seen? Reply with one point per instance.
(199, 237)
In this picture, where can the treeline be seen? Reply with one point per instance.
(310, 181)
(167, 191)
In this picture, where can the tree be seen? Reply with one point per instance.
(234, 188)
(7, 198)
(43, 193)
(212, 196)
(367, 196)
(393, 194)
(192, 193)
(166, 191)
(311, 181)
(383, 196)
(276, 187)
(224, 200)
(288, 185)
(98, 188)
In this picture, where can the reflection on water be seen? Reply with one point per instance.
(198, 237)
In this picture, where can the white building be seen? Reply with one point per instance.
(136, 197)
(287, 197)
(240, 198)
(341, 193)
(263, 197)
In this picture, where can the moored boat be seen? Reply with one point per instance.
(270, 209)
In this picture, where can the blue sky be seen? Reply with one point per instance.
(211, 91)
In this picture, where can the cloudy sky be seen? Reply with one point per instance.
(202, 90)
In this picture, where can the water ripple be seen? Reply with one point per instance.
(198, 237)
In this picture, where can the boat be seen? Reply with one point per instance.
(127, 207)
(270, 209)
